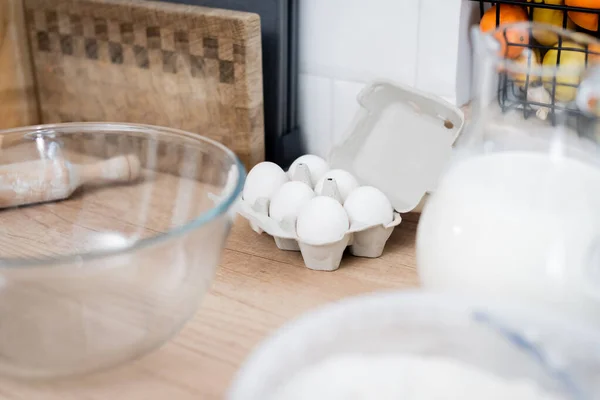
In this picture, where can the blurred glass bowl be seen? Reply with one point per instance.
(506, 340)
(111, 272)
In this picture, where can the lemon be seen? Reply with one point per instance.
(550, 17)
(568, 72)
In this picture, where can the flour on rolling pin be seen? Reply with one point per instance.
(50, 180)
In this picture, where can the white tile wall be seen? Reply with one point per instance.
(359, 39)
(347, 43)
(437, 64)
(344, 106)
(315, 113)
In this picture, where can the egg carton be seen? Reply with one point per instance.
(399, 142)
(363, 240)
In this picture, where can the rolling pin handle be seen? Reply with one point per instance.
(118, 169)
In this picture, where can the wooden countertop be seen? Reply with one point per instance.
(257, 289)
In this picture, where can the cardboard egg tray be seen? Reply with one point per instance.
(363, 240)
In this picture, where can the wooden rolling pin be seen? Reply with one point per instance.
(50, 180)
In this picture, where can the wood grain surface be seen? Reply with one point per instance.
(257, 289)
(191, 68)
(18, 104)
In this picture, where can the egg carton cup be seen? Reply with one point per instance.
(364, 240)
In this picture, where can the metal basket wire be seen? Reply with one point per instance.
(512, 92)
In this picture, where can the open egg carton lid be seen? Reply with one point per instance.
(400, 141)
(398, 145)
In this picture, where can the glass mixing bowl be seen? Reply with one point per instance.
(506, 340)
(115, 269)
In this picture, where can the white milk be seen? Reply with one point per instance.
(518, 224)
(398, 377)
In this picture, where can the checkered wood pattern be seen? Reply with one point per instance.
(191, 68)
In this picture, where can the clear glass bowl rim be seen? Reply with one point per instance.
(220, 207)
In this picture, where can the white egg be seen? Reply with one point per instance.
(322, 220)
(345, 181)
(369, 205)
(289, 199)
(263, 181)
(316, 165)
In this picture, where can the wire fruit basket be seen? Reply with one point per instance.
(514, 92)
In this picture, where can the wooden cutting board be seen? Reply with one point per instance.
(192, 68)
(18, 104)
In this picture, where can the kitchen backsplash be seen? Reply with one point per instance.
(347, 43)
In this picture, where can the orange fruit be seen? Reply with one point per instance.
(584, 20)
(593, 54)
(508, 14)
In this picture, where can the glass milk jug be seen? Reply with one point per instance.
(517, 212)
